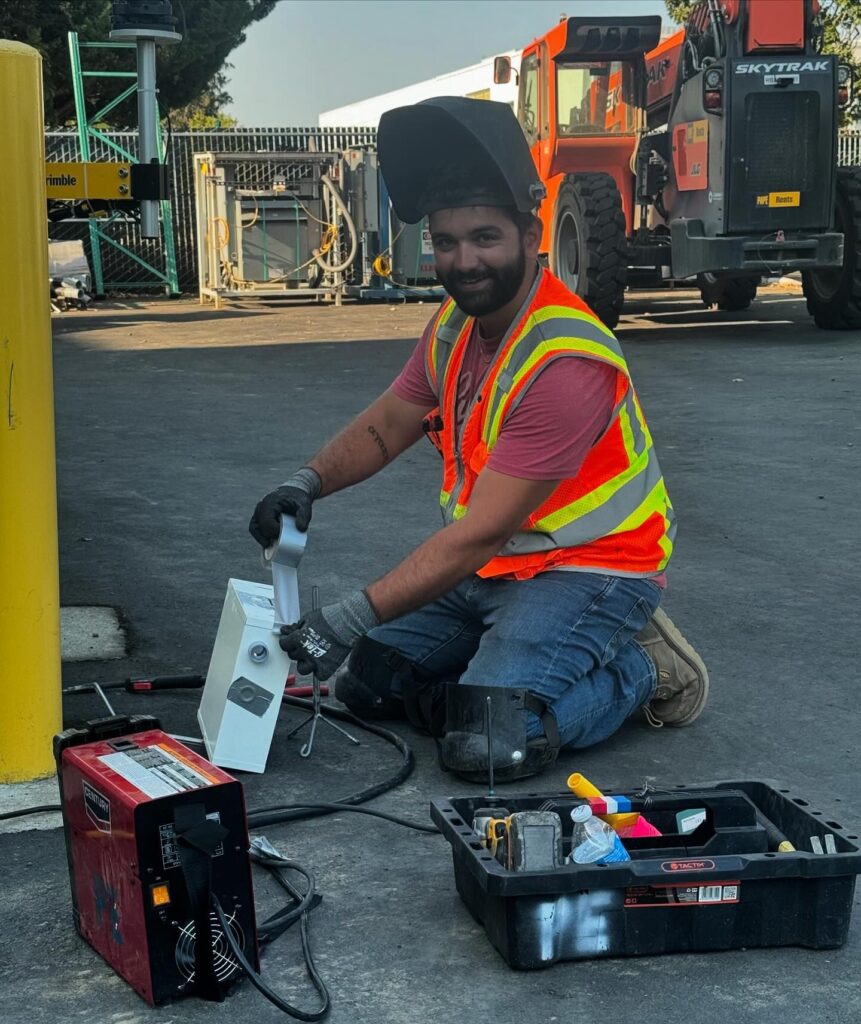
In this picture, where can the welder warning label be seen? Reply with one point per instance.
(155, 771)
(98, 808)
(682, 895)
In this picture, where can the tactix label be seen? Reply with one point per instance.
(782, 67)
(688, 865)
(682, 895)
(98, 808)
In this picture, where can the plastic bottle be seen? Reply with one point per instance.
(593, 841)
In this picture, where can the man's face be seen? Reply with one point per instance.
(481, 256)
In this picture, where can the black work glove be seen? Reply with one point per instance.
(292, 498)
(321, 641)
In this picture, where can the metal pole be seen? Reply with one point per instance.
(30, 702)
(147, 128)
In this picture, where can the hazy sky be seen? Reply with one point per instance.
(312, 55)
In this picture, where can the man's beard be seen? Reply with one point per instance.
(502, 284)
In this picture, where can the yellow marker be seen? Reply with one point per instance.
(786, 847)
(582, 787)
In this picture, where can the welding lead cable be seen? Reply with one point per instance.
(260, 984)
(263, 816)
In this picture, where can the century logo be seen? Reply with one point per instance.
(782, 67)
(98, 808)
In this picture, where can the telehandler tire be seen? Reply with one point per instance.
(588, 251)
(834, 296)
(731, 294)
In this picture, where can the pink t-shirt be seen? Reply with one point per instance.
(549, 434)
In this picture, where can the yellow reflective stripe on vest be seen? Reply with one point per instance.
(627, 433)
(432, 354)
(572, 316)
(598, 501)
(656, 500)
(632, 503)
(445, 335)
(635, 435)
(451, 511)
(549, 312)
(532, 346)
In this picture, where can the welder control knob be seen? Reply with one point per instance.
(258, 652)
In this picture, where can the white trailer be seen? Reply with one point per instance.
(475, 82)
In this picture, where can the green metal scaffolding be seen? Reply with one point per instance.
(86, 131)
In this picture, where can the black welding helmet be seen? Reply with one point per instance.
(450, 152)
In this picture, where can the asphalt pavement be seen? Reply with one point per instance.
(171, 423)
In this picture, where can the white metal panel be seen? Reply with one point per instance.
(471, 81)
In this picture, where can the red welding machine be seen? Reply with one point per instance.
(153, 833)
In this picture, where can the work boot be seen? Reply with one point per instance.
(683, 681)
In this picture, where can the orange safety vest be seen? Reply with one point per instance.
(615, 516)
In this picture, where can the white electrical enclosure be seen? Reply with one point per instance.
(245, 682)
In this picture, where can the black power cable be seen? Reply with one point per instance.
(261, 985)
(308, 810)
(275, 925)
(260, 817)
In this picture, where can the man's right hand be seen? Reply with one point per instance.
(292, 498)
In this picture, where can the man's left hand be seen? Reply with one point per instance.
(321, 641)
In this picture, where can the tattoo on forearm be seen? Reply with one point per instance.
(380, 443)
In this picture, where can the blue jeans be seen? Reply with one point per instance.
(567, 637)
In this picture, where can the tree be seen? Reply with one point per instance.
(207, 111)
(186, 72)
(841, 36)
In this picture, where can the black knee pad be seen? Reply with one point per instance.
(364, 684)
(465, 746)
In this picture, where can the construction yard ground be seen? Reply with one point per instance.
(173, 420)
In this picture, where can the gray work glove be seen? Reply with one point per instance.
(321, 641)
(292, 498)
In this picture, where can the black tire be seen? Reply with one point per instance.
(834, 296)
(588, 252)
(731, 294)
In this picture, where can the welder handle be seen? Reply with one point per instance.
(188, 682)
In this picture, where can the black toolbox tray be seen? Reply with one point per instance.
(724, 886)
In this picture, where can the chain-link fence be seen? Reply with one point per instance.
(121, 266)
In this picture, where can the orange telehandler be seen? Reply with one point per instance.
(709, 156)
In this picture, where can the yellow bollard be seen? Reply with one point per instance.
(30, 700)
